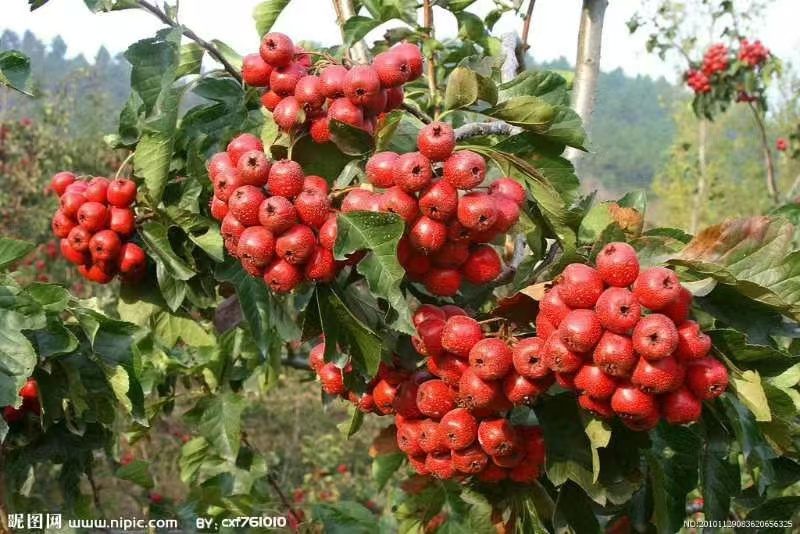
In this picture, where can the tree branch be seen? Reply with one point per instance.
(793, 189)
(274, 484)
(418, 114)
(481, 129)
(344, 11)
(510, 63)
(526, 26)
(212, 50)
(772, 186)
(427, 21)
(702, 168)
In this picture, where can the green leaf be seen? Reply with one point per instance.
(599, 434)
(173, 290)
(266, 13)
(346, 517)
(750, 255)
(191, 59)
(55, 339)
(529, 112)
(673, 461)
(211, 243)
(778, 509)
(156, 241)
(574, 510)
(351, 427)
(462, 88)
(567, 128)
(16, 353)
(379, 234)
(219, 420)
(154, 151)
(12, 250)
(15, 69)
(170, 328)
(137, 472)
(384, 466)
(357, 27)
(764, 358)
(350, 140)
(153, 65)
(549, 86)
(470, 26)
(231, 56)
(324, 160)
(719, 471)
(757, 452)
(750, 391)
(102, 6)
(399, 133)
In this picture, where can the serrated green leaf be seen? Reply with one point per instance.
(324, 160)
(574, 511)
(153, 65)
(190, 61)
(211, 242)
(750, 391)
(156, 241)
(357, 27)
(462, 88)
(345, 517)
(231, 56)
(549, 86)
(379, 234)
(219, 420)
(15, 69)
(719, 472)
(384, 466)
(529, 112)
(55, 339)
(169, 328)
(12, 250)
(399, 133)
(266, 13)
(137, 472)
(350, 140)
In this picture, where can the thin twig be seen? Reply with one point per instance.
(427, 21)
(144, 218)
(417, 113)
(215, 53)
(793, 189)
(95, 489)
(274, 484)
(772, 187)
(482, 129)
(510, 270)
(526, 26)
(124, 164)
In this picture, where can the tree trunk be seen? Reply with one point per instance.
(772, 186)
(587, 65)
(344, 10)
(702, 167)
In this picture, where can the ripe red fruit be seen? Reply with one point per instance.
(60, 181)
(482, 266)
(379, 169)
(277, 49)
(79, 239)
(427, 235)
(580, 286)
(308, 93)
(618, 264)
(492, 474)
(392, 69)
(296, 244)
(510, 188)
(521, 390)
(231, 229)
(256, 245)
(580, 330)
(436, 141)
(408, 436)
(553, 308)
(477, 394)
(655, 337)
(121, 192)
(439, 201)
(628, 402)
(395, 200)
(70, 203)
(451, 256)
(458, 429)
(470, 460)
(447, 367)
(255, 71)
(270, 100)
(412, 172)
(680, 407)
(321, 267)
(313, 207)
(105, 245)
(219, 162)
(122, 221)
(71, 255)
(320, 132)
(285, 179)
(527, 358)
(96, 273)
(132, 258)
(440, 465)
(430, 337)
(618, 310)
(328, 232)
(96, 190)
(13, 415)
(429, 437)
(226, 183)
(465, 169)
(599, 407)
(93, 216)
(435, 398)
(384, 395)
(281, 276)
(442, 282)
(491, 359)
(460, 334)
(565, 380)
(29, 391)
(507, 213)
(559, 358)
(316, 357)
(412, 56)
(477, 211)
(417, 463)
(497, 437)
(331, 378)
(594, 382)
(244, 204)
(375, 106)
(678, 310)
(656, 287)
(707, 378)
(614, 354)
(277, 214)
(693, 344)
(254, 168)
(659, 376)
(331, 81)
(316, 184)
(288, 114)
(241, 145)
(394, 98)
(361, 83)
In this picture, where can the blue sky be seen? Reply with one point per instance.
(553, 33)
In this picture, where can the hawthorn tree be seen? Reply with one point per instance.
(199, 328)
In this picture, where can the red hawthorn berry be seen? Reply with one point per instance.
(510, 188)
(618, 310)
(497, 437)
(244, 204)
(599, 407)
(270, 100)
(132, 259)
(630, 403)
(591, 380)
(470, 460)
(656, 287)
(451, 256)
(527, 357)
(425, 312)
(328, 232)
(283, 80)
(71, 255)
(580, 330)
(580, 286)
(429, 336)
(458, 429)
(231, 229)
(693, 343)
(614, 354)
(412, 172)
(380, 169)
(465, 169)
(219, 162)
(440, 465)
(331, 81)
(427, 235)
(412, 56)
(331, 378)
(482, 266)
(308, 93)
(491, 359)
(507, 214)
(257, 246)
(442, 282)
(296, 244)
(520, 390)
(360, 200)
(408, 436)
(553, 308)
(288, 114)
(680, 407)
(435, 398)
(254, 168)
(316, 184)
(70, 203)
(277, 214)
(648, 422)
(439, 201)
(447, 367)
(395, 200)
(282, 277)
(105, 246)
(559, 358)
(706, 378)
(429, 437)
(277, 49)
(392, 69)
(122, 221)
(384, 394)
(96, 190)
(477, 394)
(618, 264)
(226, 183)
(79, 238)
(460, 334)
(477, 211)
(93, 216)
(321, 267)
(313, 207)
(394, 98)
(285, 179)
(255, 71)
(320, 133)
(60, 181)
(678, 310)
(241, 144)
(436, 141)
(655, 337)
(360, 84)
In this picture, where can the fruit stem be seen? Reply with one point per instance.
(428, 23)
(336, 193)
(124, 164)
(212, 50)
(492, 320)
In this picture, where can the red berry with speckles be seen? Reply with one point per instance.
(60, 181)
(257, 246)
(435, 398)
(331, 81)
(436, 141)
(392, 69)
(507, 213)
(440, 465)
(465, 169)
(427, 235)
(559, 358)
(591, 380)
(618, 264)
(510, 188)
(442, 282)
(618, 310)
(242, 144)
(656, 288)
(497, 437)
(482, 266)
(680, 407)
(693, 344)
(395, 200)
(429, 437)
(460, 334)
(412, 172)
(477, 211)
(527, 356)
(288, 114)
(630, 403)
(470, 460)
(361, 83)
(475, 393)
(458, 429)
(412, 56)
(491, 359)
(439, 201)
(219, 162)
(105, 246)
(296, 244)
(244, 204)
(614, 355)
(73, 256)
(226, 183)
(132, 259)
(380, 169)
(308, 93)
(659, 376)
(332, 379)
(599, 407)
(580, 286)
(553, 308)
(70, 202)
(580, 330)
(678, 310)
(255, 71)
(122, 221)
(447, 367)
(655, 337)
(313, 207)
(93, 216)
(277, 214)
(521, 390)
(282, 277)
(285, 179)
(408, 437)
(277, 49)
(707, 378)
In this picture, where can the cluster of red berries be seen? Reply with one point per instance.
(354, 96)
(450, 417)
(715, 59)
(95, 220)
(449, 219)
(698, 81)
(781, 144)
(275, 220)
(754, 53)
(641, 367)
(30, 403)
